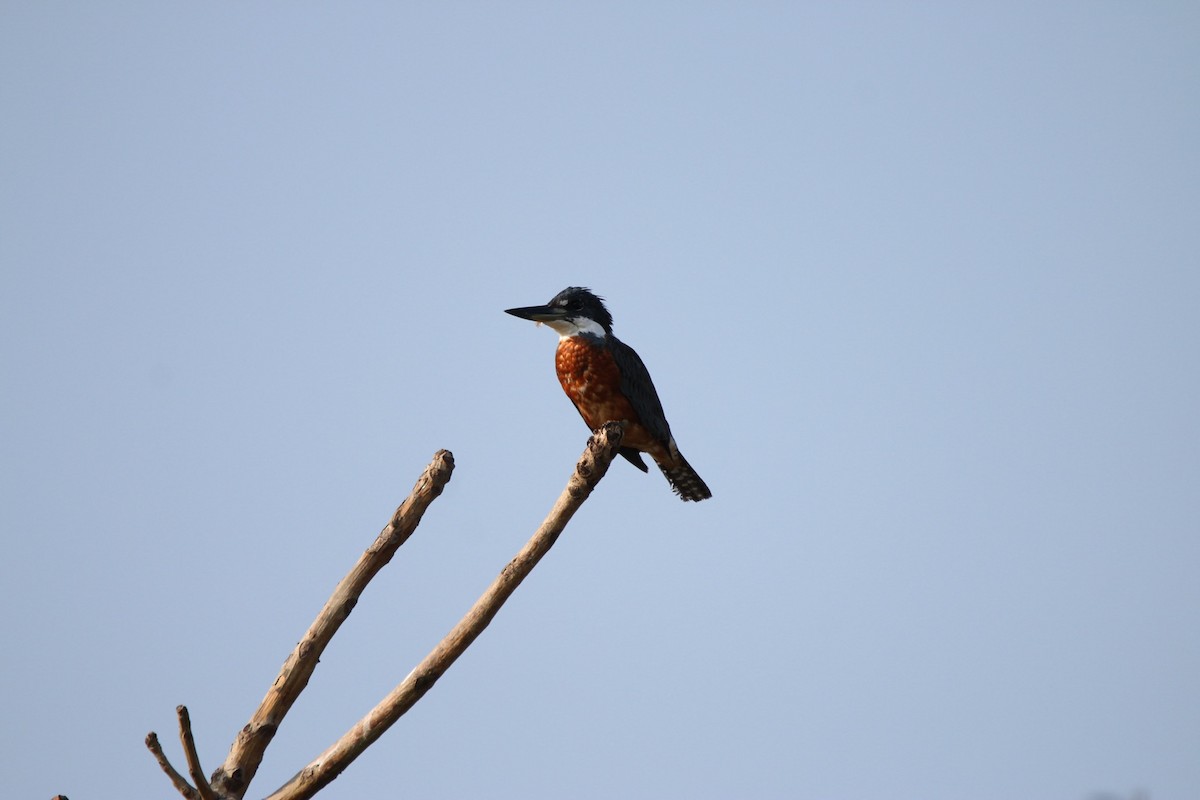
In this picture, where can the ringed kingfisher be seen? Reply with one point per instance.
(607, 381)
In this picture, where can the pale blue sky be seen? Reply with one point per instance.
(918, 287)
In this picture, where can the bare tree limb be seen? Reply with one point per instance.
(178, 781)
(233, 777)
(193, 758)
(601, 448)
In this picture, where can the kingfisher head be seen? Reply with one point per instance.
(571, 312)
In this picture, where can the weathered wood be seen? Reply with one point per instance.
(601, 449)
(233, 777)
(178, 781)
(189, 752)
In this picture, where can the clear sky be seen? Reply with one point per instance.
(919, 287)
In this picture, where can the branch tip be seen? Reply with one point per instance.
(178, 781)
(188, 741)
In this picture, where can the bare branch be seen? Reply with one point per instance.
(233, 777)
(601, 448)
(178, 781)
(193, 758)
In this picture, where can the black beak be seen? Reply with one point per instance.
(538, 313)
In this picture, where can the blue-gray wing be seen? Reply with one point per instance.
(639, 390)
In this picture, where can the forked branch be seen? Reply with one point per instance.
(233, 777)
(601, 448)
(202, 790)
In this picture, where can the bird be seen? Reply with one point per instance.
(607, 381)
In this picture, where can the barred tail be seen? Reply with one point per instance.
(684, 480)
